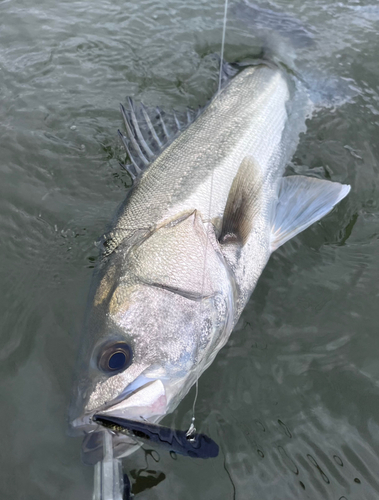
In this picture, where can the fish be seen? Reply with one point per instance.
(209, 204)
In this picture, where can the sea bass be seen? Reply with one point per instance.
(189, 243)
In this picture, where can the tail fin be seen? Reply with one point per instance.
(289, 42)
(268, 23)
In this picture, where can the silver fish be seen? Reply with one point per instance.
(188, 245)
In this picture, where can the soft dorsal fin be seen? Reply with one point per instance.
(243, 202)
(149, 132)
(302, 201)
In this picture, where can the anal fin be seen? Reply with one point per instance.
(303, 201)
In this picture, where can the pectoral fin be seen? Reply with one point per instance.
(243, 202)
(303, 201)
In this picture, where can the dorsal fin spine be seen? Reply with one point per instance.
(148, 132)
(150, 125)
(138, 170)
(137, 129)
(128, 169)
(162, 122)
(131, 136)
(177, 122)
(189, 117)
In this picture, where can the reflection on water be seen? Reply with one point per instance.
(293, 398)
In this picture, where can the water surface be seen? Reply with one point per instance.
(293, 399)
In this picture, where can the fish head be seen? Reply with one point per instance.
(154, 324)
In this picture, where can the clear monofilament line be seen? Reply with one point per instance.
(222, 44)
(192, 429)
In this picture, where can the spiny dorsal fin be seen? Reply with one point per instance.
(302, 201)
(149, 132)
(243, 202)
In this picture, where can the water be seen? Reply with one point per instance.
(293, 398)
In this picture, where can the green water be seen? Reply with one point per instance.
(293, 399)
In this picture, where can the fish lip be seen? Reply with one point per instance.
(147, 401)
(85, 422)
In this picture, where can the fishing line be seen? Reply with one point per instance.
(192, 429)
(222, 50)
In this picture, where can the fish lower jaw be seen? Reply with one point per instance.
(148, 403)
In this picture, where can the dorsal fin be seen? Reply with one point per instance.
(149, 132)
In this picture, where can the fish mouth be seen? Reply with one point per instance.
(132, 419)
(143, 400)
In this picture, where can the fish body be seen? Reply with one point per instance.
(188, 245)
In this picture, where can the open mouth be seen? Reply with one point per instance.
(132, 421)
(144, 399)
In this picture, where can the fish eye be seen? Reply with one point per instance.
(115, 358)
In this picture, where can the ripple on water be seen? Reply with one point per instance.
(292, 399)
